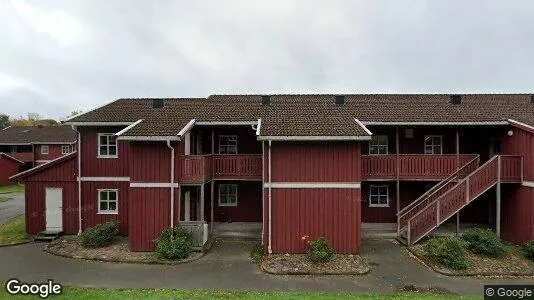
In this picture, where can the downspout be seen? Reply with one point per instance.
(269, 248)
(172, 181)
(79, 158)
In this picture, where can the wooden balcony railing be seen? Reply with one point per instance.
(195, 169)
(412, 166)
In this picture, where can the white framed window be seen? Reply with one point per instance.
(107, 145)
(108, 201)
(45, 149)
(433, 144)
(227, 144)
(378, 196)
(228, 195)
(378, 145)
(65, 149)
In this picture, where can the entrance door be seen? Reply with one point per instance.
(54, 209)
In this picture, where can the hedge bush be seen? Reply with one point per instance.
(100, 235)
(528, 249)
(174, 243)
(484, 241)
(449, 251)
(320, 250)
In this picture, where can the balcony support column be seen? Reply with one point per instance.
(397, 190)
(458, 168)
(202, 202)
(212, 212)
(498, 200)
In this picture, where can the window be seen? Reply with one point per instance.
(228, 195)
(45, 149)
(378, 196)
(433, 144)
(227, 144)
(108, 201)
(65, 149)
(107, 145)
(378, 144)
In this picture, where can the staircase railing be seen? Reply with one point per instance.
(452, 200)
(435, 192)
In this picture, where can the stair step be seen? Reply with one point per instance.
(46, 236)
(402, 240)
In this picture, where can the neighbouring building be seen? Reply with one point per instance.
(30, 146)
(301, 165)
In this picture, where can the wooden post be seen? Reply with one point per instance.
(212, 217)
(202, 202)
(457, 168)
(397, 149)
(498, 204)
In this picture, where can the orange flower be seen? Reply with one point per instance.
(305, 237)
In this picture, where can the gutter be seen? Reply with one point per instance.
(172, 181)
(79, 179)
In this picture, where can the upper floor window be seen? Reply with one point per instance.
(378, 145)
(378, 196)
(108, 201)
(228, 195)
(227, 144)
(107, 145)
(45, 149)
(65, 149)
(433, 144)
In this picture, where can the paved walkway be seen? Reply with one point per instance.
(227, 267)
(11, 208)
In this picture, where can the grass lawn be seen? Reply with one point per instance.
(14, 188)
(99, 293)
(14, 231)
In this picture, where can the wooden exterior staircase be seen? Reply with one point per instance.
(454, 193)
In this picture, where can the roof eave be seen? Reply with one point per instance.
(314, 138)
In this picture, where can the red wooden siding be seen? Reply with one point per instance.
(8, 168)
(23, 156)
(517, 214)
(90, 216)
(149, 215)
(330, 213)
(150, 162)
(316, 162)
(92, 166)
(521, 143)
(248, 207)
(379, 214)
(54, 151)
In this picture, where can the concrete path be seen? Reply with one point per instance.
(227, 267)
(11, 208)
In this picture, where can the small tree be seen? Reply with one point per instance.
(4, 121)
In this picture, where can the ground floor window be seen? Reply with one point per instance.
(108, 201)
(228, 195)
(378, 196)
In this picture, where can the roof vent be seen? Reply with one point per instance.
(456, 99)
(40, 126)
(158, 103)
(339, 100)
(265, 100)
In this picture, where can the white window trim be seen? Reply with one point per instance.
(116, 212)
(441, 144)
(236, 144)
(116, 146)
(226, 204)
(68, 149)
(387, 144)
(378, 186)
(43, 147)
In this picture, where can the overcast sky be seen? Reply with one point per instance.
(58, 56)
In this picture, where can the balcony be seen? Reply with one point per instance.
(196, 169)
(411, 166)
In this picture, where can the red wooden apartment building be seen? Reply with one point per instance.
(316, 165)
(24, 147)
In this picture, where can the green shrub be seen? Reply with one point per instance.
(528, 249)
(100, 235)
(174, 243)
(449, 251)
(256, 252)
(484, 241)
(320, 250)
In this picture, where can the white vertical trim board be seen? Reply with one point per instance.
(313, 185)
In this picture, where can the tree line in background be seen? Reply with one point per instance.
(33, 119)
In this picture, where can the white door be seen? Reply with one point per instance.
(54, 209)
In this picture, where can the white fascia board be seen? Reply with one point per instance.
(514, 122)
(436, 123)
(363, 127)
(313, 185)
(53, 143)
(41, 166)
(11, 157)
(99, 123)
(314, 138)
(104, 179)
(528, 184)
(153, 185)
(186, 128)
(258, 127)
(6, 127)
(215, 123)
(15, 144)
(129, 127)
(148, 138)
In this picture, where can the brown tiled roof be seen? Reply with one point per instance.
(312, 115)
(37, 134)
